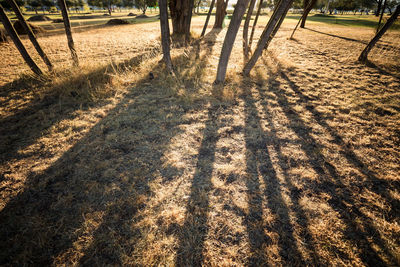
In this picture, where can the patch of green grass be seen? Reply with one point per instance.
(346, 20)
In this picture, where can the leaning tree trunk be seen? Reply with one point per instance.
(308, 5)
(277, 26)
(255, 23)
(230, 39)
(378, 9)
(220, 13)
(165, 33)
(246, 28)
(380, 18)
(14, 36)
(208, 18)
(364, 55)
(68, 32)
(297, 25)
(181, 15)
(265, 36)
(31, 35)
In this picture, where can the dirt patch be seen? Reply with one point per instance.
(3, 36)
(117, 22)
(20, 29)
(142, 16)
(39, 18)
(131, 14)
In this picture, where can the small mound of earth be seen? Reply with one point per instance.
(20, 29)
(117, 22)
(143, 16)
(58, 20)
(131, 14)
(39, 18)
(3, 36)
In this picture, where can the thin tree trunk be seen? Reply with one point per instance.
(265, 37)
(364, 55)
(307, 9)
(378, 9)
(298, 23)
(68, 32)
(14, 36)
(246, 28)
(30, 33)
(380, 18)
(208, 18)
(188, 20)
(255, 23)
(220, 13)
(165, 35)
(278, 25)
(230, 39)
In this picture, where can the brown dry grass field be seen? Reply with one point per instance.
(298, 164)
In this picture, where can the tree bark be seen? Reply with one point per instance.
(14, 36)
(265, 36)
(364, 55)
(181, 15)
(277, 26)
(165, 35)
(307, 8)
(378, 9)
(220, 13)
(380, 18)
(246, 28)
(208, 18)
(230, 39)
(68, 32)
(297, 25)
(30, 33)
(255, 23)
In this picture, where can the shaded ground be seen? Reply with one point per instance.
(297, 165)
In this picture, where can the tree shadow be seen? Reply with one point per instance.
(359, 227)
(99, 185)
(380, 45)
(259, 166)
(26, 125)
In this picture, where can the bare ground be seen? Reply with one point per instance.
(296, 165)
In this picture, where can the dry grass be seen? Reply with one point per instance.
(296, 165)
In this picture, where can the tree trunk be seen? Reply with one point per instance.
(165, 33)
(31, 35)
(380, 18)
(230, 39)
(255, 23)
(208, 18)
(220, 13)
(246, 28)
(14, 36)
(68, 32)
(181, 15)
(265, 37)
(364, 55)
(307, 9)
(297, 25)
(378, 9)
(277, 26)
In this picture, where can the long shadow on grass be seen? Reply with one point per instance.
(259, 164)
(359, 228)
(194, 230)
(26, 125)
(100, 183)
(380, 45)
